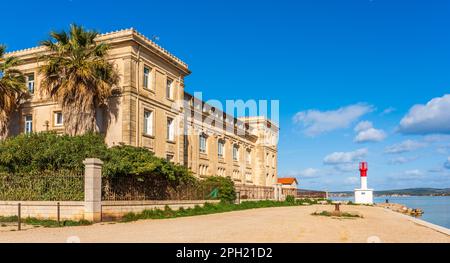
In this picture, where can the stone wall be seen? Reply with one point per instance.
(43, 209)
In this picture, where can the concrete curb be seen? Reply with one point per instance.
(437, 228)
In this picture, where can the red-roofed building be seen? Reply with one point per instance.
(288, 182)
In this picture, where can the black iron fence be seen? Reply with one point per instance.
(42, 186)
(137, 188)
(246, 192)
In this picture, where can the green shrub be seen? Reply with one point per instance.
(41, 186)
(49, 151)
(225, 186)
(35, 166)
(128, 160)
(290, 199)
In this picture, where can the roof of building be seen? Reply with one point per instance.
(289, 180)
(107, 36)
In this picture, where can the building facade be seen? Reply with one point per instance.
(150, 108)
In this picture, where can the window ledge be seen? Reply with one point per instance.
(149, 90)
(148, 136)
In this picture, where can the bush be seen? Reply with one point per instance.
(225, 186)
(128, 160)
(41, 186)
(290, 199)
(51, 157)
(49, 151)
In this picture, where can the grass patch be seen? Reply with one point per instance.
(336, 214)
(44, 222)
(209, 208)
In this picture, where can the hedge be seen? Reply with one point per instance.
(41, 166)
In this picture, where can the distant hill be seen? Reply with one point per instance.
(410, 192)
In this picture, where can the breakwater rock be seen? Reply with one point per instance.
(416, 212)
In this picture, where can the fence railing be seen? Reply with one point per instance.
(255, 192)
(311, 194)
(42, 186)
(135, 188)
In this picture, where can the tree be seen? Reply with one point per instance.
(12, 89)
(77, 74)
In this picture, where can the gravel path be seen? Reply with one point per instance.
(285, 224)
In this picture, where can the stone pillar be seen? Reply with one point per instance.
(278, 192)
(93, 190)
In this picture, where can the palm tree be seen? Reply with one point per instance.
(12, 89)
(77, 74)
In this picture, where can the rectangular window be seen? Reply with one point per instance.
(235, 152)
(221, 147)
(248, 157)
(30, 83)
(169, 89)
(59, 120)
(170, 130)
(202, 143)
(147, 78)
(169, 157)
(28, 124)
(148, 122)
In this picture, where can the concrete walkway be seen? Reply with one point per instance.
(285, 224)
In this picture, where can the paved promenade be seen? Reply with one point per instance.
(285, 224)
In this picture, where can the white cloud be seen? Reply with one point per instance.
(316, 122)
(308, 173)
(363, 126)
(367, 133)
(405, 146)
(345, 157)
(436, 138)
(388, 110)
(402, 160)
(434, 117)
(371, 135)
(414, 173)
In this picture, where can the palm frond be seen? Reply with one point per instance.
(12, 88)
(2, 50)
(77, 74)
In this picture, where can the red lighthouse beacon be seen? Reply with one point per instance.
(363, 195)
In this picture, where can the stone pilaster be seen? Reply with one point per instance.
(93, 190)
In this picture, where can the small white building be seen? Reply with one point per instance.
(289, 186)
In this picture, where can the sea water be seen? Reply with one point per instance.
(436, 208)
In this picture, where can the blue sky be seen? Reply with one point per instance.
(331, 64)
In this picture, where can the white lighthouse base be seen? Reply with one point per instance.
(364, 196)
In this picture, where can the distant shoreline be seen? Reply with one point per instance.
(399, 192)
(385, 195)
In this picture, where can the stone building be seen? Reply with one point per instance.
(150, 109)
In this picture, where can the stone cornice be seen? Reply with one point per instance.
(113, 38)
